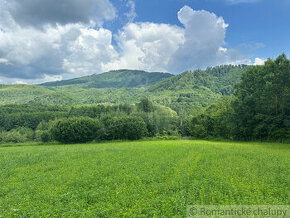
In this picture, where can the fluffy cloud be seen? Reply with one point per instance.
(204, 40)
(73, 48)
(174, 49)
(147, 46)
(64, 47)
(38, 13)
(259, 61)
(89, 52)
(60, 47)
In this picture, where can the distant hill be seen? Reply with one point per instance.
(21, 94)
(185, 93)
(115, 79)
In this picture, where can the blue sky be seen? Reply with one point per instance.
(53, 40)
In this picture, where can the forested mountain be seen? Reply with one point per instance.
(185, 93)
(219, 79)
(115, 79)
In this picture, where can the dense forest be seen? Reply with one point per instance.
(230, 102)
(20, 123)
(258, 110)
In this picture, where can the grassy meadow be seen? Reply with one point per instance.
(143, 178)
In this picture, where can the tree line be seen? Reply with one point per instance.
(21, 123)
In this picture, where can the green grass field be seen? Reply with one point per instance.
(149, 178)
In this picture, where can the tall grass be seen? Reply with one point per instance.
(150, 178)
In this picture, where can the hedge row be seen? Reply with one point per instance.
(85, 129)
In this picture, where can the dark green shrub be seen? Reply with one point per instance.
(198, 131)
(126, 128)
(75, 130)
(43, 131)
(45, 136)
(134, 128)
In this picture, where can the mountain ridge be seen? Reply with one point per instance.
(115, 79)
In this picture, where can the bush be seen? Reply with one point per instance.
(21, 134)
(43, 131)
(197, 127)
(198, 131)
(11, 136)
(134, 128)
(127, 128)
(75, 130)
(162, 120)
(26, 132)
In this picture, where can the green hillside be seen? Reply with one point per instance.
(21, 94)
(219, 79)
(185, 93)
(191, 90)
(115, 79)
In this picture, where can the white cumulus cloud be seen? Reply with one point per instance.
(72, 48)
(89, 52)
(204, 34)
(66, 48)
(147, 46)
